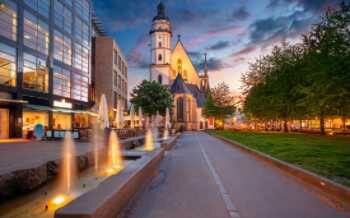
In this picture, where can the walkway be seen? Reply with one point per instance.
(203, 177)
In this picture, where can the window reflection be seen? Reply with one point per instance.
(35, 73)
(36, 33)
(8, 20)
(7, 65)
(61, 82)
(62, 48)
(41, 6)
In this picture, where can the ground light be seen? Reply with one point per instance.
(59, 200)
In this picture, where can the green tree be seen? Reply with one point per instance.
(151, 97)
(327, 86)
(219, 103)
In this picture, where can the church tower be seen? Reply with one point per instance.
(205, 78)
(161, 36)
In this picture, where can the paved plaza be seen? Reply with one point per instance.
(205, 177)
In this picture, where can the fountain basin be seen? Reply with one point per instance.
(109, 198)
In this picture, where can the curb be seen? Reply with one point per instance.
(335, 190)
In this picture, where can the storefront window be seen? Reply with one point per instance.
(36, 33)
(8, 20)
(81, 121)
(63, 48)
(35, 73)
(61, 82)
(7, 65)
(33, 118)
(62, 121)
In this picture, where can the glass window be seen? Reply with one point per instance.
(62, 121)
(81, 58)
(82, 8)
(80, 86)
(81, 32)
(8, 20)
(41, 6)
(36, 33)
(63, 17)
(35, 73)
(62, 48)
(61, 82)
(7, 65)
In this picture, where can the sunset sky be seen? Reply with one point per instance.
(232, 32)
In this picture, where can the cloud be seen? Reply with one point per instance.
(219, 45)
(242, 54)
(240, 14)
(314, 6)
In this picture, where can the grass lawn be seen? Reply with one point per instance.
(328, 156)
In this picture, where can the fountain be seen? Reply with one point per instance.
(149, 141)
(140, 117)
(114, 152)
(167, 125)
(103, 112)
(132, 117)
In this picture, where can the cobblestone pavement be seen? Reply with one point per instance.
(203, 177)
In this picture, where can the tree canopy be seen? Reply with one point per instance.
(152, 97)
(219, 102)
(309, 79)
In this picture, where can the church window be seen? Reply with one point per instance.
(160, 79)
(179, 66)
(160, 44)
(180, 109)
(160, 58)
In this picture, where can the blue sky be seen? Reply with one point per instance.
(232, 32)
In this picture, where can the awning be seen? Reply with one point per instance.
(60, 110)
(13, 101)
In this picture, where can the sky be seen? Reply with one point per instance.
(233, 32)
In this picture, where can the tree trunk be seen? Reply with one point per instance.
(322, 126)
(285, 126)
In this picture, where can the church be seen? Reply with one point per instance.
(173, 68)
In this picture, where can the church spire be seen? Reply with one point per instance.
(161, 15)
(205, 65)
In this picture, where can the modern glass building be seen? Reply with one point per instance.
(45, 69)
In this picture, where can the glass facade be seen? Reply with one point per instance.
(61, 82)
(45, 49)
(35, 73)
(7, 65)
(8, 20)
(36, 33)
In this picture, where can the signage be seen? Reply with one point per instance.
(62, 104)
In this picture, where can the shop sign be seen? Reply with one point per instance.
(62, 104)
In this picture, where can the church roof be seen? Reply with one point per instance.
(179, 86)
(161, 13)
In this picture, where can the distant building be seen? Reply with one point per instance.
(110, 74)
(45, 50)
(172, 67)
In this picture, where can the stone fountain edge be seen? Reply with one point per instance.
(109, 198)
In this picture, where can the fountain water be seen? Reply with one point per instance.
(167, 125)
(132, 117)
(149, 143)
(114, 154)
(103, 112)
(97, 145)
(140, 117)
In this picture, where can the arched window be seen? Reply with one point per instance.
(160, 44)
(160, 79)
(179, 66)
(160, 57)
(180, 109)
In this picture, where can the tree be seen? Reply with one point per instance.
(151, 97)
(327, 91)
(219, 103)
